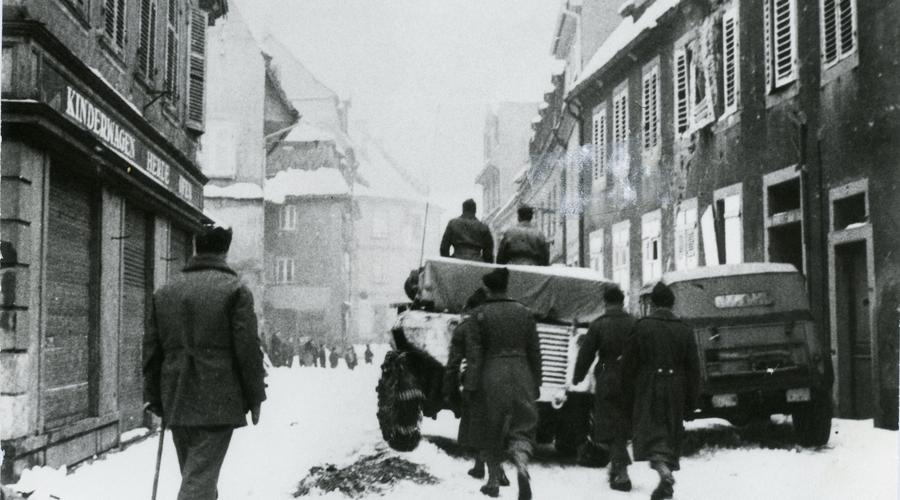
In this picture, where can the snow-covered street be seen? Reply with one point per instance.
(315, 416)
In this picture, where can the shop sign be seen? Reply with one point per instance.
(88, 114)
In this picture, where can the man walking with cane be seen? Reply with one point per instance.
(203, 367)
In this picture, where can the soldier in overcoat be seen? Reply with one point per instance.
(502, 381)
(524, 244)
(202, 363)
(661, 371)
(605, 341)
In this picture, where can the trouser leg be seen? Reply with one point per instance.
(665, 489)
(201, 452)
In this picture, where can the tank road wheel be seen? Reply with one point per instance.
(812, 424)
(399, 404)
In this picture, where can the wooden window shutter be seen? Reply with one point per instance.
(171, 83)
(114, 21)
(829, 31)
(147, 44)
(599, 131)
(197, 70)
(730, 61)
(681, 91)
(784, 41)
(848, 26)
(650, 107)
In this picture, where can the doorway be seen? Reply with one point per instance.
(853, 330)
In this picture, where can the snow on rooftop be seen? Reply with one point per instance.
(296, 182)
(236, 191)
(626, 32)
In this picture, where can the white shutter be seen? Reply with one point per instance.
(734, 236)
(146, 52)
(681, 91)
(650, 108)
(730, 60)
(652, 249)
(196, 70)
(620, 121)
(784, 41)
(171, 80)
(767, 42)
(114, 22)
(599, 141)
(596, 251)
(621, 260)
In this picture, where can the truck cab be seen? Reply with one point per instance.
(760, 350)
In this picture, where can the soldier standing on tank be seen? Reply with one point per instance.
(524, 244)
(502, 381)
(470, 238)
(661, 374)
(605, 341)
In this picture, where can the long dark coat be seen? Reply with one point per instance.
(504, 375)
(202, 357)
(466, 436)
(605, 341)
(661, 371)
(523, 244)
(470, 238)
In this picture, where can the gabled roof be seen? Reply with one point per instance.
(297, 81)
(627, 33)
(381, 175)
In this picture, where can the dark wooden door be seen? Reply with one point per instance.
(854, 334)
(68, 383)
(136, 283)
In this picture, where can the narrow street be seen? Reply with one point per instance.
(316, 416)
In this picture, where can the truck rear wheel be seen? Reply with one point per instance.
(399, 404)
(812, 424)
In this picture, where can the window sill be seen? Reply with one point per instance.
(782, 94)
(78, 15)
(835, 72)
(727, 121)
(112, 53)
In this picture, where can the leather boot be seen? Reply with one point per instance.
(477, 470)
(492, 487)
(501, 476)
(618, 477)
(520, 460)
(665, 489)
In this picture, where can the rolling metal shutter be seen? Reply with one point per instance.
(136, 284)
(67, 384)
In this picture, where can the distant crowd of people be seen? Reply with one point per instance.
(311, 353)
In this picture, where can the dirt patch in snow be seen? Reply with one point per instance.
(761, 434)
(370, 474)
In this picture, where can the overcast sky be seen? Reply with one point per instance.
(421, 73)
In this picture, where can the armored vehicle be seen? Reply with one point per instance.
(564, 301)
(760, 351)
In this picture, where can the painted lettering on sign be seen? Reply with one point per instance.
(158, 168)
(98, 122)
(185, 189)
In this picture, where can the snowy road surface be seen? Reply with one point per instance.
(316, 415)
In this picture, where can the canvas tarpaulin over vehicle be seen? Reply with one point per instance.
(555, 293)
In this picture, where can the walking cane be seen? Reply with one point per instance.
(159, 450)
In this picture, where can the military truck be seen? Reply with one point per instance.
(564, 301)
(760, 351)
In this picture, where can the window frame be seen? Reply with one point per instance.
(285, 270)
(619, 148)
(287, 217)
(683, 227)
(596, 249)
(621, 255)
(734, 190)
(114, 41)
(770, 221)
(172, 56)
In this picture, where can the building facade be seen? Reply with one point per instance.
(101, 193)
(719, 135)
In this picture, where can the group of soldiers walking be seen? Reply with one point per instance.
(647, 370)
(310, 353)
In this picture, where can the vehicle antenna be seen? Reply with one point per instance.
(424, 231)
